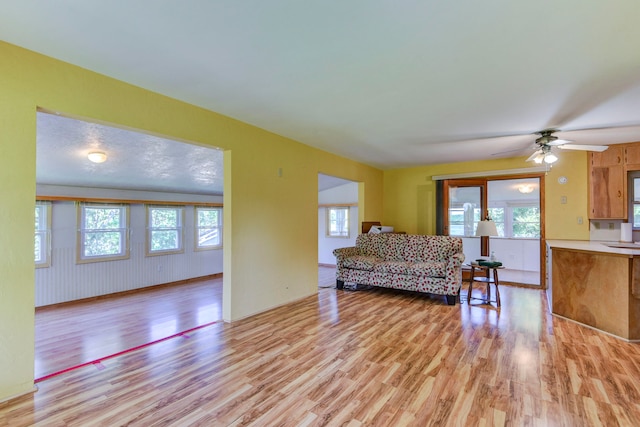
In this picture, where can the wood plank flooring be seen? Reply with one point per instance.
(355, 358)
(72, 334)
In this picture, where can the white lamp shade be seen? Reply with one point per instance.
(486, 228)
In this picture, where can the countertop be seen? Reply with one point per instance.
(596, 246)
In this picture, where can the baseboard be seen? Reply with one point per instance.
(521, 285)
(130, 291)
(266, 310)
(18, 396)
(595, 329)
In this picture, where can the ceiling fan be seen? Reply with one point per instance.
(547, 141)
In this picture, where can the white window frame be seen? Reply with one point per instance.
(178, 228)
(508, 223)
(215, 229)
(122, 230)
(43, 231)
(345, 222)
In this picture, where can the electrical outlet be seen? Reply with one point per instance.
(596, 225)
(611, 226)
(579, 220)
(563, 200)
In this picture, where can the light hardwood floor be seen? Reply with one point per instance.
(72, 334)
(374, 357)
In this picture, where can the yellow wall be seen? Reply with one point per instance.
(270, 221)
(270, 245)
(410, 194)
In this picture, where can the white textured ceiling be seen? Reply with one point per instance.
(134, 160)
(391, 84)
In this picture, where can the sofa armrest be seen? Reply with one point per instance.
(454, 274)
(456, 260)
(342, 253)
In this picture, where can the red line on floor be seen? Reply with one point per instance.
(120, 353)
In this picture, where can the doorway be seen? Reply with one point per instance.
(338, 219)
(142, 178)
(516, 207)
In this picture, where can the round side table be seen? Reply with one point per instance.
(491, 276)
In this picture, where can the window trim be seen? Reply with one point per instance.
(124, 230)
(328, 210)
(196, 228)
(180, 228)
(45, 247)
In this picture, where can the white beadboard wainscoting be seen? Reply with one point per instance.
(65, 280)
(515, 254)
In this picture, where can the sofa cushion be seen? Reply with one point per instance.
(397, 267)
(428, 269)
(361, 262)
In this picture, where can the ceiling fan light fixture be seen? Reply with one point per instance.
(550, 158)
(539, 158)
(97, 156)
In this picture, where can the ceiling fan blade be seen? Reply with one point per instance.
(559, 142)
(599, 148)
(534, 155)
(500, 153)
(592, 94)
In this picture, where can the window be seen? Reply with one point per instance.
(463, 220)
(634, 199)
(497, 216)
(208, 228)
(164, 229)
(526, 221)
(338, 222)
(103, 232)
(42, 250)
(516, 221)
(464, 207)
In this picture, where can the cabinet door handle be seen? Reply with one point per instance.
(619, 193)
(619, 159)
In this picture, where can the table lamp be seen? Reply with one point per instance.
(486, 229)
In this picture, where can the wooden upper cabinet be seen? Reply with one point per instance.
(607, 184)
(608, 196)
(612, 156)
(632, 156)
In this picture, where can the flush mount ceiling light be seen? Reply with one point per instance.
(525, 188)
(97, 156)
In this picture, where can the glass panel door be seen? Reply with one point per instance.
(465, 201)
(516, 205)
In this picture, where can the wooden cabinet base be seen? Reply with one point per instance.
(596, 289)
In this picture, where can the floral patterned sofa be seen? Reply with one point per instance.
(430, 264)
